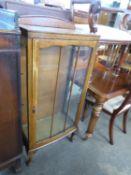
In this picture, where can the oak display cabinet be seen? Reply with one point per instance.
(56, 65)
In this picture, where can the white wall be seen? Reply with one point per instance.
(107, 2)
(63, 3)
(66, 3)
(124, 4)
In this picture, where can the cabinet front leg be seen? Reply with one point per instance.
(71, 138)
(29, 158)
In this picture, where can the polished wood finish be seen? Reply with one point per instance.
(111, 9)
(80, 17)
(105, 85)
(41, 16)
(10, 118)
(114, 48)
(108, 35)
(10, 104)
(58, 17)
(108, 15)
(46, 22)
(111, 35)
(86, 17)
(28, 9)
(110, 85)
(48, 54)
(113, 56)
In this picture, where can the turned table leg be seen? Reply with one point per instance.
(94, 117)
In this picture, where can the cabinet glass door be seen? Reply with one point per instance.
(60, 75)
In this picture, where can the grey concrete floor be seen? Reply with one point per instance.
(92, 157)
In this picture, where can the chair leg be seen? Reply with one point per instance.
(84, 111)
(111, 124)
(125, 121)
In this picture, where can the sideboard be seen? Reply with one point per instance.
(10, 113)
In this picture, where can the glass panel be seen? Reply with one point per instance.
(53, 81)
(61, 75)
(77, 80)
(47, 78)
(63, 85)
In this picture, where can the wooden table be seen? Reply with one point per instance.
(105, 85)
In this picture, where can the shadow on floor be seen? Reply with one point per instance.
(92, 157)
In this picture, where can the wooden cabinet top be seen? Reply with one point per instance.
(106, 34)
(57, 33)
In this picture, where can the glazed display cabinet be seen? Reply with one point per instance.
(56, 66)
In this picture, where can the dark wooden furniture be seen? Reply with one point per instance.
(10, 117)
(43, 16)
(46, 16)
(125, 21)
(114, 107)
(107, 80)
(105, 85)
(126, 26)
(52, 17)
(114, 48)
(52, 102)
(28, 9)
(46, 21)
(108, 15)
(89, 17)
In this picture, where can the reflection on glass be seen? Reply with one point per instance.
(77, 80)
(61, 77)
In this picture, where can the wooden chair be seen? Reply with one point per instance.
(108, 15)
(126, 62)
(125, 25)
(126, 65)
(90, 17)
(114, 107)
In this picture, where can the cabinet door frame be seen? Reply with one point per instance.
(33, 60)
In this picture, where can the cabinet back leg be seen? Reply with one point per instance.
(125, 121)
(17, 166)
